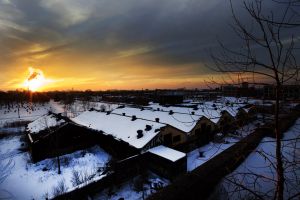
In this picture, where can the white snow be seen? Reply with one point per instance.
(209, 151)
(27, 112)
(119, 126)
(167, 153)
(128, 191)
(184, 122)
(183, 118)
(56, 107)
(78, 107)
(26, 180)
(43, 123)
(212, 149)
(257, 174)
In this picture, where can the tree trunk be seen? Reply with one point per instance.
(58, 165)
(279, 164)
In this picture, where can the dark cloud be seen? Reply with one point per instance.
(169, 33)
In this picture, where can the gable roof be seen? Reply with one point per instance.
(182, 121)
(120, 127)
(45, 122)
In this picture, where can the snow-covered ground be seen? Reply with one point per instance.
(257, 173)
(212, 149)
(78, 107)
(128, 190)
(28, 112)
(25, 180)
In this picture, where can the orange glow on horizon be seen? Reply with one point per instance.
(35, 80)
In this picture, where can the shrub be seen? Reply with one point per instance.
(76, 178)
(60, 189)
(102, 108)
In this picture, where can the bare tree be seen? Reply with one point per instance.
(267, 54)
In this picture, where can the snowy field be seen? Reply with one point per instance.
(258, 174)
(130, 190)
(212, 149)
(21, 179)
(30, 112)
(78, 107)
(27, 112)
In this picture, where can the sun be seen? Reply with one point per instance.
(34, 85)
(35, 80)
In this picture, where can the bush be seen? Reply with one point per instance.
(76, 178)
(60, 189)
(81, 177)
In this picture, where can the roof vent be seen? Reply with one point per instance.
(133, 118)
(148, 128)
(139, 134)
(157, 119)
(193, 112)
(171, 112)
(123, 114)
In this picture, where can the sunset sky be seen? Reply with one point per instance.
(110, 44)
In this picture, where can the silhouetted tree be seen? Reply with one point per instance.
(267, 52)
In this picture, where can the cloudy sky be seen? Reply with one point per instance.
(112, 44)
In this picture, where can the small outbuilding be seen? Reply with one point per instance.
(54, 135)
(166, 162)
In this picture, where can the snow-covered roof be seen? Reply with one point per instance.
(167, 153)
(184, 122)
(121, 127)
(209, 109)
(44, 122)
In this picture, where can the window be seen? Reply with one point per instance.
(176, 138)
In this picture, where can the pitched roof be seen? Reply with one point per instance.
(167, 153)
(44, 122)
(121, 127)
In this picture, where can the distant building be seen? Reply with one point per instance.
(241, 90)
(288, 92)
(171, 97)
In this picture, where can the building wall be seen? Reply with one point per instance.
(65, 140)
(225, 122)
(203, 131)
(203, 120)
(172, 137)
(165, 167)
(156, 141)
(241, 117)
